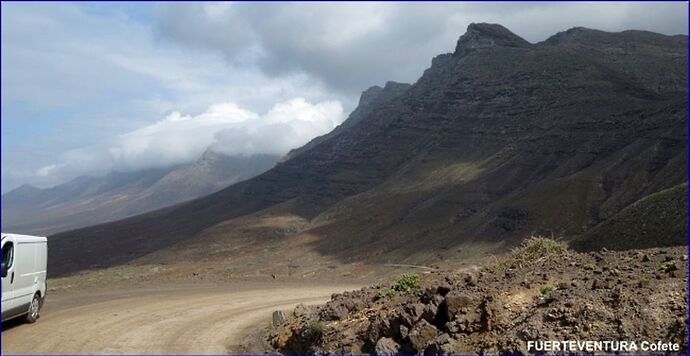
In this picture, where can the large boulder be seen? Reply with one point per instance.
(302, 310)
(387, 346)
(455, 303)
(413, 312)
(422, 334)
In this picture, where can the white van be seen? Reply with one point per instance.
(23, 273)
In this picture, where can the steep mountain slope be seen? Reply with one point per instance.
(497, 140)
(91, 200)
(651, 221)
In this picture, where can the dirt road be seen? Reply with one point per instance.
(191, 319)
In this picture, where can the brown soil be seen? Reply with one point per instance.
(180, 318)
(539, 295)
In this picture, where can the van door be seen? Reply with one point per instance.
(24, 279)
(8, 281)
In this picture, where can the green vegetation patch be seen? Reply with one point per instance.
(404, 285)
(316, 328)
(546, 290)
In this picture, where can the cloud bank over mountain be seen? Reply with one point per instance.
(224, 127)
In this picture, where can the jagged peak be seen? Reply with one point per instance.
(391, 88)
(485, 35)
(441, 59)
(369, 95)
(392, 85)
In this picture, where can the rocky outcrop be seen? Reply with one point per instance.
(562, 295)
(377, 95)
(483, 35)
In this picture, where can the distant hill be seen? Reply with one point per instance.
(92, 200)
(496, 141)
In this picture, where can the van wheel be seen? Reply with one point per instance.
(35, 305)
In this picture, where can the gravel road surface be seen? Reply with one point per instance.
(182, 319)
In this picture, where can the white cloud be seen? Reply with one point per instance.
(225, 127)
(46, 170)
(287, 125)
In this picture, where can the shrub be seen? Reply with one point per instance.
(316, 328)
(532, 250)
(387, 293)
(404, 285)
(406, 282)
(546, 290)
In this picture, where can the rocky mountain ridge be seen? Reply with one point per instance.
(495, 141)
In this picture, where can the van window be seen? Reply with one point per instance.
(8, 255)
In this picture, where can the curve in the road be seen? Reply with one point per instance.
(180, 321)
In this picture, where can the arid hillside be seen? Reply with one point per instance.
(540, 291)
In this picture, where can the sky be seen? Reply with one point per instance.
(88, 88)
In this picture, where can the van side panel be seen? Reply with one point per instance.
(41, 257)
(40, 266)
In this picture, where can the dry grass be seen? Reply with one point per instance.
(532, 250)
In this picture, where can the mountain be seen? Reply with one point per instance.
(369, 100)
(91, 200)
(498, 140)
